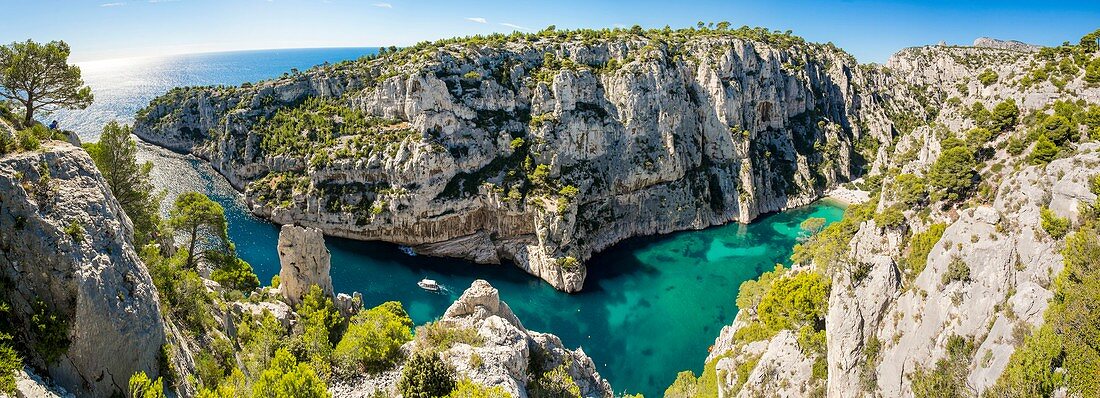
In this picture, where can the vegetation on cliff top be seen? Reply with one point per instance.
(322, 129)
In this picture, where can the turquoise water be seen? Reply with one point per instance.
(650, 308)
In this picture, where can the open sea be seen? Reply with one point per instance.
(650, 308)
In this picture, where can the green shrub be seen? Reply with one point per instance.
(468, 389)
(75, 231)
(1058, 129)
(953, 174)
(1044, 152)
(987, 77)
(919, 246)
(1004, 115)
(1092, 71)
(181, 290)
(285, 377)
(752, 291)
(978, 113)
(442, 335)
(868, 374)
(1016, 146)
(49, 331)
(320, 327)
(208, 369)
(234, 273)
(259, 337)
(957, 271)
(556, 383)
(10, 362)
(947, 379)
(516, 143)
(540, 175)
(910, 190)
(1056, 226)
(977, 138)
(829, 248)
(687, 385)
(142, 387)
(794, 301)
(472, 75)
(27, 140)
(950, 142)
(426, 376)
(811, 226)
(568, 263)
(373, 340)
(7, 143)
(890, 217)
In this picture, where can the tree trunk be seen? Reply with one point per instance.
(28, 120)
(191, 248)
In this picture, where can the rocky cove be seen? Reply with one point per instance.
(539, 153)
(964, 272)
(638, 285)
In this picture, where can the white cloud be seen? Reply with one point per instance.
(383, 5)
(514, 26)
(112, 4)
(477, 19)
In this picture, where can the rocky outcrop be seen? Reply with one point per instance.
(305, 262)
(652, 134)
(67, 253)
(1013, 45)
(509, 350)
(506, 355)
(30, 385)
(857, 307)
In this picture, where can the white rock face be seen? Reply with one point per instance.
(782, 371)
(857, 307)
(89, 276)
(718, 130)
(508, 347)
(305, 262)
(1013, 45)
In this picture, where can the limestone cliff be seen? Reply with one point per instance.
(987, 280)
(540, 149)
(80, 296)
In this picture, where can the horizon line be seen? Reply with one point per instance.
(176, 54)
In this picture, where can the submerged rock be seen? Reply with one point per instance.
(305, 262)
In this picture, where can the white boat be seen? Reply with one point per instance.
(408, 250)
(428, 284)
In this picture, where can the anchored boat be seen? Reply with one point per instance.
(428, 284)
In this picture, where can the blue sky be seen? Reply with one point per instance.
(871, 30)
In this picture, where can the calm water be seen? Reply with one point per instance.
(649, 309)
